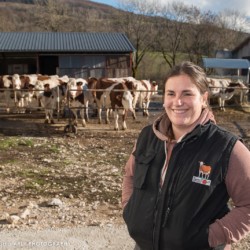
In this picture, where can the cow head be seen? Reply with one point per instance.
(16, 81)
(47, 90)
(154, 87)
(71, 88)
(127, 101)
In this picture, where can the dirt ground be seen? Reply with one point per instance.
(52, 180)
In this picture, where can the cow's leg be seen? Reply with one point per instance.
(28, 100)
(8, 102)
(223, 104)
(220, 103)
(245, 97)
(99, 111)
(116, 118)
(86, 111)
(47, 118)
(107, 116)
(39, 104)
(145, 108)
(51, 111)
(133, 114)
(124, 116)
(74, 115)
(23, 104)
(82, 111)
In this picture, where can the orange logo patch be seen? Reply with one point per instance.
(204, 173)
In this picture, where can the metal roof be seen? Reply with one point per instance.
(64, 42)
(226, 63)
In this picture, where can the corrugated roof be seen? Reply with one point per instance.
(64, 42)
(226, 63)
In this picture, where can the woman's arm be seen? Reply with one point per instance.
(127, 185)
(236, 224)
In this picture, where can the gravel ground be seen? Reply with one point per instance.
(63, 191)
(89, 238)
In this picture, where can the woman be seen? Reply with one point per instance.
(182, 172)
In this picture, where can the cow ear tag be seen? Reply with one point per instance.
(204, 174)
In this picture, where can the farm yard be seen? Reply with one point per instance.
(61, 182)
(52, 180)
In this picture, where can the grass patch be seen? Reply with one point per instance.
(13, 142)
(7, 143)
(54, 149)
(25, 142)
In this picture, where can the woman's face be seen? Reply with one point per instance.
(183, 102)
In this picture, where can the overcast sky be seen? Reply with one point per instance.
(242, 6)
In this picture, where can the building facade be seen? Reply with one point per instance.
(75, 54)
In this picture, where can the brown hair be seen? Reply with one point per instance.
(196, 73)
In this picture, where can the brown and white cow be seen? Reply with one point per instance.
(225, 89)
(146, 90)
(10, 90)
(27, 93)
(143, 90)
(6, 91)
(51, 92)
(78, 98)
(113, 95)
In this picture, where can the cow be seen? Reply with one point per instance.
(79, 97)
(92, 81)
(50, 91)
(225, 89)
(10, 88)
(114, 96)
(27, 93)
(241, 90)
(6, 88)
(146, 89)
(142, 92)
(47, 98)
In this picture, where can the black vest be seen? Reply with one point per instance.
(194, 195)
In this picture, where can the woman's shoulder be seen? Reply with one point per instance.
(223, 131)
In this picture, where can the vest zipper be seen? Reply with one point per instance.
(166, 217)
(156, 212)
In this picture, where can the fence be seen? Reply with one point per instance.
(14, 97)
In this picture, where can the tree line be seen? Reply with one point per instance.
(174, 31)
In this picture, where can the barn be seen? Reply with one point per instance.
(76, 54)
(233, 63)
(242, 51)
(235, 68)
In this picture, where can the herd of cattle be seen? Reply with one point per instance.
(76, 94)
(54, 93)
(224, 89)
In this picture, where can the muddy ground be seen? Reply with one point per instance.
(52, 179)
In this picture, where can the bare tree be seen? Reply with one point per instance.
(51, 15)
(5, 23)
(138, 24)
(200, 40)
(232, 24)
(171, 30)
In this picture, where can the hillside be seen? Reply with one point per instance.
(150, 35)
(26, 15)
